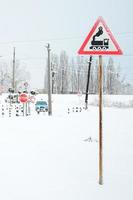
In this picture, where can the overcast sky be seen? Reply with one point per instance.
(30, 24)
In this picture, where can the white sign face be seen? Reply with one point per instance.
(100, 41)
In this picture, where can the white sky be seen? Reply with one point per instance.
(65, 24)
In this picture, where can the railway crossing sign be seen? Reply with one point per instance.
(100, 41)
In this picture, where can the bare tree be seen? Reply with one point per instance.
(21, 76)
(64, 71)
(5, 78)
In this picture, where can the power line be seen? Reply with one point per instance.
(60, 38)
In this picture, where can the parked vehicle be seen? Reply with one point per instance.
(41, 106)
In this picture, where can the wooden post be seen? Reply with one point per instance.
(49, 82)
(100, 124)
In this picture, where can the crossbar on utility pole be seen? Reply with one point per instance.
(49, 81)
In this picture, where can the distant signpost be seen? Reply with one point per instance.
(23, 98)
(100, 41)
(26, 84)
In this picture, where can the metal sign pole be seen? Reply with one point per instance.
(100, 124)
(23, 109)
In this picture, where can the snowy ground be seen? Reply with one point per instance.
(52, 158)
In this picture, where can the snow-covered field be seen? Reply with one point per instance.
(51, 157)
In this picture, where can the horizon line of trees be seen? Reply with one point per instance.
(70, 76)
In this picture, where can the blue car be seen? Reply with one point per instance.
(41, 106)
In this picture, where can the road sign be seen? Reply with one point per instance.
(23, 98)
(100, 41)
(26, 84)
(32, 99)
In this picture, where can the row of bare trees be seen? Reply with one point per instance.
(69, 75)
(6, 76)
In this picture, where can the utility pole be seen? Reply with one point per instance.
(87, 86)
(13, 70)
(49, 81)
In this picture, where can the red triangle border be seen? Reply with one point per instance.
(82, 51)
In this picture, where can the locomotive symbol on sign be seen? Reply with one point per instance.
(99, 44)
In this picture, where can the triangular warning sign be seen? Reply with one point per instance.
(100, 41)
